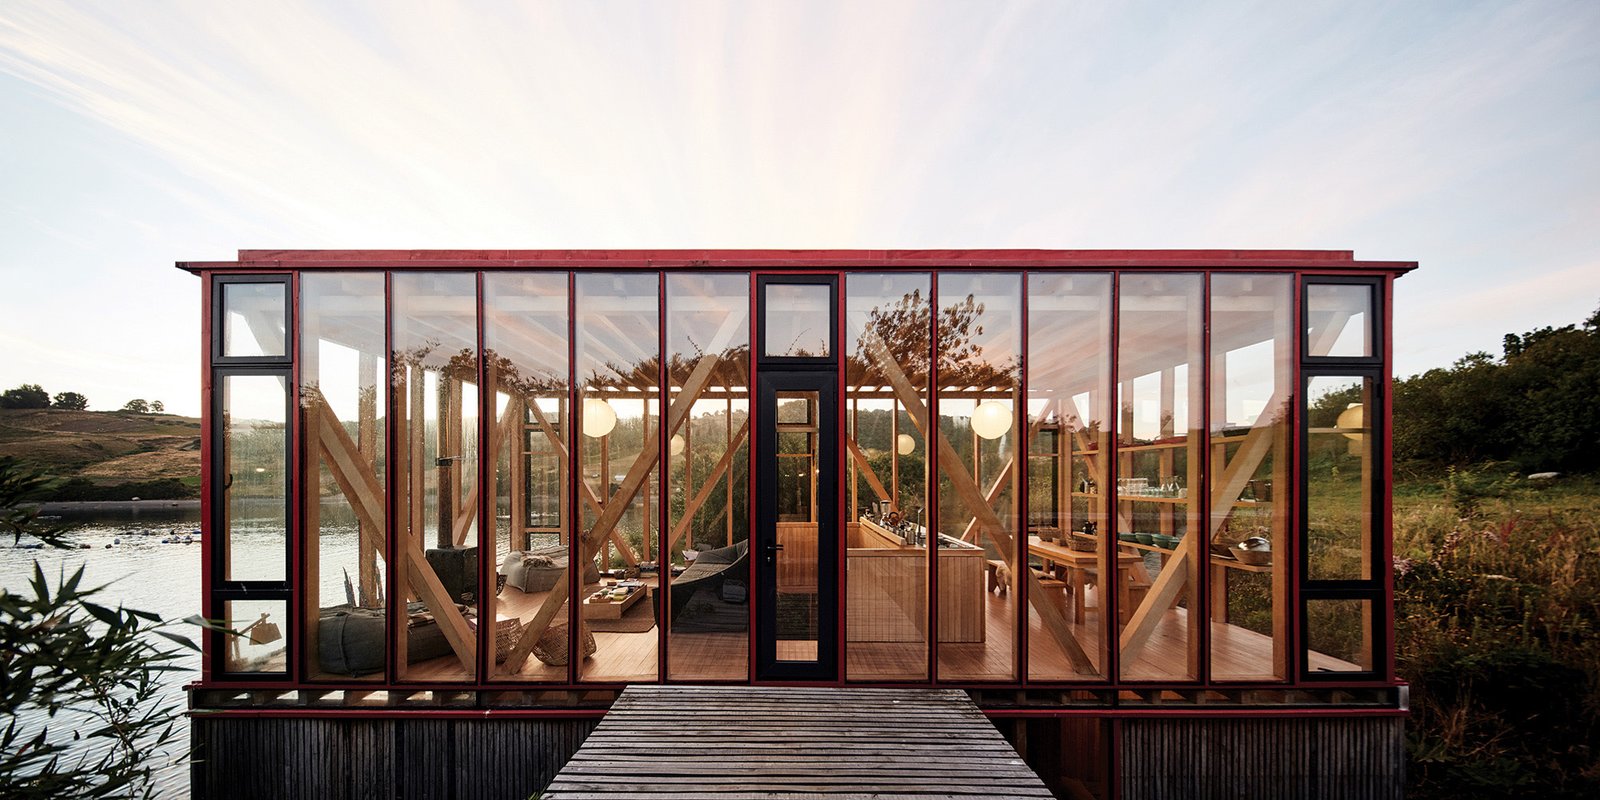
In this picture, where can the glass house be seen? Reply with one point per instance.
(1117, 496)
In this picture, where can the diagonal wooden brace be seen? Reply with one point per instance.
(1183, 565)
(635, 480)
(361, 487)
(1054, 619)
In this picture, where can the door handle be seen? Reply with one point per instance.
(774, 547)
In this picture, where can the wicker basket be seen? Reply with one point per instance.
(1081, 544)
(552, 645)
(506, 634)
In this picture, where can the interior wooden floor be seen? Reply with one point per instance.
(1237, 653)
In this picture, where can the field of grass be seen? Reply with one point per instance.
(1498, 632)
(106, 455)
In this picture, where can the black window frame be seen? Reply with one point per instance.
(1372, 588)
(220, 319)
(223, 591)
(830, 361)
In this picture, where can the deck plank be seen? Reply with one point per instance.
(730, 742)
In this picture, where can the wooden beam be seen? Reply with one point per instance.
(995, 490)
(705, 489)
(1181, 566)
(361, 486)
(584, 489)
(503, 428)
(866, 469)
(1055, 621)
(614, 508)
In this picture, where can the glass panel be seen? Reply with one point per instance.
(1339, 478)
(435, 396)
(1339, 319)
(260, 646)
(619, 406)
(979, 351)
(1069, 421)
(525, 353)
(1339, 635)
(796, 629)
(1251, 378)
(887, 367)
(255, 455)
(796, 411)
(1161, 443)
(708, 480)
(797, 319)
(342, 389)
(252, 320)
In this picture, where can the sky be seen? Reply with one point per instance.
(1464, 136)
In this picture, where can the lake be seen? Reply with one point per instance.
(139, 572)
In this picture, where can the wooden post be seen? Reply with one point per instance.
(367, 444)
(311, 492)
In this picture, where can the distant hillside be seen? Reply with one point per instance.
(107, 455)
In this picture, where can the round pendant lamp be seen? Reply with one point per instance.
(991, 419)
(599, 418)
(905, 445)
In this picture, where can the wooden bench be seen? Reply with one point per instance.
(992, 569)
(1055, 590)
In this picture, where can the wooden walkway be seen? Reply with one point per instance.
(722, 743)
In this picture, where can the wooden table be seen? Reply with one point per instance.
(595, 609)
(1080, 568)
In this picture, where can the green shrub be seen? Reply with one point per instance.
(1498, 631)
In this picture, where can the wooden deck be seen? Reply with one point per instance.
(672, 742)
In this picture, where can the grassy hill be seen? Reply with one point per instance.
(107, 455)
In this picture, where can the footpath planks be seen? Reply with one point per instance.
(731, 742)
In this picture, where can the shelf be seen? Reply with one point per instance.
(1133, 498)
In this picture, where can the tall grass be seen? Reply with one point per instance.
(1498, 630)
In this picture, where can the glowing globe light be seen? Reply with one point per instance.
(991, 419)
(675, 444)
(599, 418)
(905, 445)
(1354, 417)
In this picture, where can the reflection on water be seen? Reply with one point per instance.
(139, 572)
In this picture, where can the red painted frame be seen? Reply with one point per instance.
(1301, 264)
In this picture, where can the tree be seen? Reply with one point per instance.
(1533, 407)
(28, 395)
(90, 673)
(157, 407)
(71, 400)
(137, 406)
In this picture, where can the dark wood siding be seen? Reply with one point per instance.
(241, 758)
(1334, 758)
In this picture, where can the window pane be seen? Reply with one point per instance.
(797, 316)
(797, 602)
(708, 481)
(1251, 376)
(341, 394)
(252, 321)
(979, 350)
(1161, 444)
(261, 644)
(619, 407)
(1339, 635)
(887, 367)
(255, 455)
(1339, 319)
(435, 375)
(1339, 478)
(525, 341)
(1069, 420)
